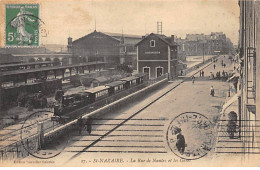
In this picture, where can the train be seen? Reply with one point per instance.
(70, 103)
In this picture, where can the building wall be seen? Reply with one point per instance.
(249, 81)
(162, 55)
(199, 44)
(159, 52)
(97, 47)
(112, 48)
(257, 36)
(128, 55)
(153, 66)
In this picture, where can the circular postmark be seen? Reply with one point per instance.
(33, 136)
(190, 135)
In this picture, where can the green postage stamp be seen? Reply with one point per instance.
(22, 25)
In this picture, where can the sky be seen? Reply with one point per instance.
(76, 18)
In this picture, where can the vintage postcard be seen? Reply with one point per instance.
(129, 83)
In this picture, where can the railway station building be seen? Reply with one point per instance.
(112, 48)
(157, 55)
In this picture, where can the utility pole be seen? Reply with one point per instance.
(203, 52)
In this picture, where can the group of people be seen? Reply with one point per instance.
(82, 123)
(222, 64)
(223, 75)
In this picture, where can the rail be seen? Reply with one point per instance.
(137, 112)
(162, 78)
(15, 147)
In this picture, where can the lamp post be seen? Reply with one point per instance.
(229, 89)
(203, 52)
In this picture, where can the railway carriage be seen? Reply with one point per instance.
(97, 93)
(115, 87)
(141, 77)
(129, 81)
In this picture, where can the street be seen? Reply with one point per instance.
(146, 131)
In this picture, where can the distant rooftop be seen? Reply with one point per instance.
(124, 35)
(96, 89)
(167, 40)
(128, 38)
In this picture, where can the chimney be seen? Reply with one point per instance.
(172, 39)
(69, 46)
(69, 41)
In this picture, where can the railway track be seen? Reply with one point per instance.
(136, 113)
(15, 133)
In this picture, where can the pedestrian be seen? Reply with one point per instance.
(232, 124)
(181, 72)
(180, 144)
(202, 73)
(223, 73)
(214, 66)
(89, 124)
(224, 65)
(80, 124)
(193, 79)
(212, 91)
(211, 77)
(234, 67)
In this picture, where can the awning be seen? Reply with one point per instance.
(229, 102)
(236, 75)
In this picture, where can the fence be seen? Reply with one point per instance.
(20, 149)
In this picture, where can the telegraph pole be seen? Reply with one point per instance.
(203, 52)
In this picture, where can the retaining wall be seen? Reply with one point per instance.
(20, 149)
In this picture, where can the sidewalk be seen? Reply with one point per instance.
(224, 143)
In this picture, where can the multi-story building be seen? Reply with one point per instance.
(157, 55)
(108, 47)
(249, 57)
(200, 44)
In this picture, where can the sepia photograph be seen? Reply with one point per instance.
(129, 83)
